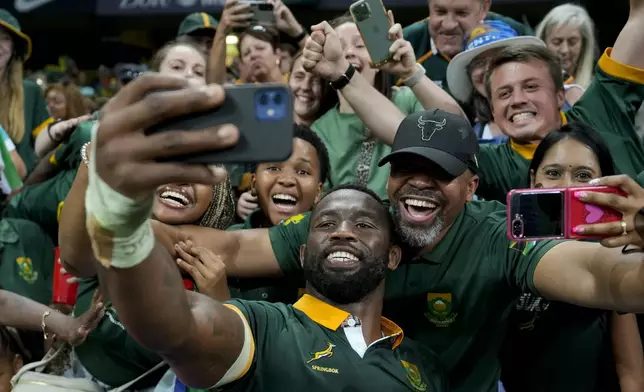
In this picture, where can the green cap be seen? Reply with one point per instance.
(197, 21)
(21, 40)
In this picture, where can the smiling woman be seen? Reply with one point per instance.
(181, 203)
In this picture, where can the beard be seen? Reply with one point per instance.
(341, 287)
(415, 235)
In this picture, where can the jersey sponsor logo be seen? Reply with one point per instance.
(437, 126)
(439, 306)
(26, 270)
(294, 219)
(523, 247)
(326, 353)
(325, 369)
(533, 306)
(414, 376)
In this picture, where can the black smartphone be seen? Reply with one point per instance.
(263, 113)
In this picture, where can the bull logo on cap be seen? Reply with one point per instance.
(438, 126)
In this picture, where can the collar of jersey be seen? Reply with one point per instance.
(331, 317)
(527, 150)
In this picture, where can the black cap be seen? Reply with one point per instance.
(444, 138)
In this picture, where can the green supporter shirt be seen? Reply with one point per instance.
(455, 299)
(557, 347)
(270, 290)
(427, 55)
(609, 106)
(304, 347)
(351, 152)
(26, 260)
(36, 120)
(110, 354)
(42, 203)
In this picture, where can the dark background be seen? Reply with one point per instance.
(92, 32)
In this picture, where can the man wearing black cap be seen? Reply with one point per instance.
(461, 274)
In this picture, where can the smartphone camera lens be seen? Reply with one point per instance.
(362, 12)
(278, 99)
(263, 100)
(517, 227)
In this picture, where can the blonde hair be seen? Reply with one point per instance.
(12, 100)
(577, 16)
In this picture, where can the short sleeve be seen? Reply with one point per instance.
(406, 101)
(521, 258)
(286, 240)
(264, 319)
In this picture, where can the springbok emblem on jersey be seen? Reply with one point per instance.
(438, 126)
(326, 353)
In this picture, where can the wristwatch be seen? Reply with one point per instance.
(300, 36)
(344, 79)
(416, 77)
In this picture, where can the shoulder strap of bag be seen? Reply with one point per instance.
(124, 387)
(37, 366)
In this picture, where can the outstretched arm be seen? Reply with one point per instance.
(204, 341)
(594, 275)
(628, 46)
(23, 313)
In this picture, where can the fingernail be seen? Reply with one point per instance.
(218, 171)
(580, 195)
(211, 89)
(594, 181)
(578, 230)
(225, 131)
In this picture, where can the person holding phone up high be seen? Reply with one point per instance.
(335, 338)
(238, 16)
(456, 295)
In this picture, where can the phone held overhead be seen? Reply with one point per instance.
(262, 113)
(553, 213)
(262, 12)
(372, 21)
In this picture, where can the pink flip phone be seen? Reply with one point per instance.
(541, 213)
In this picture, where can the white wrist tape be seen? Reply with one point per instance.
(118, 227)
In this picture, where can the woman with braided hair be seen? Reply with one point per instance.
(109, 356)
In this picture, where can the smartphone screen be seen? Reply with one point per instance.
(537, 215)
